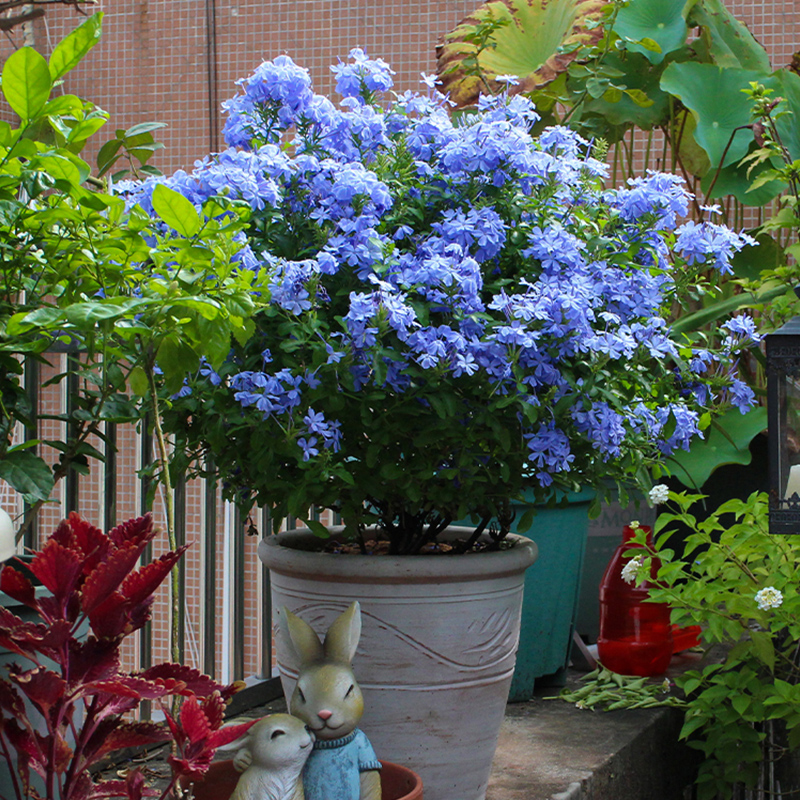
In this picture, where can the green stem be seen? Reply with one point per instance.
(169, 504)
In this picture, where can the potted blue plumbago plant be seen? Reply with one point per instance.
(458, 312)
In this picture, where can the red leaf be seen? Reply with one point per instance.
(139, 586)
(107, 576)
(128, 734)
(82, 787)
(130, 788)
(10, 701)
(22, 638)
(194, 682)
(193, 721)
(63, 754)
(194, 766)
(138, 532)
(23, 741)
(93, 660)
(135, 686)
(41, 686)
(16, 585)
(63, 534)
(91, 541)
(58, 568)
(214, 708)
(111, 619)
(229, 734)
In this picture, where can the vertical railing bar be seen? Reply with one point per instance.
(210, 576)
(110, 477)
(265, 667)
(146, 632)
(179, 494)
(72, 386)
(237, 595)
(32, 378)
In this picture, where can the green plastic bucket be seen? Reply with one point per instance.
(552, 589)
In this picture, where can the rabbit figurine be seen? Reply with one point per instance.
(342, 765)
(271, 756)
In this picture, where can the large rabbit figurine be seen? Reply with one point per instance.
(342, 765)
(271, 756)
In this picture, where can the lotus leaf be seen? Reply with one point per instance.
(535, 43)
(660, 21)
(713, 95)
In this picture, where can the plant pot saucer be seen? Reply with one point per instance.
(397, 782)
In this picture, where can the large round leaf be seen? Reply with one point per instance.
(660, 21)
(714, 96)
(786, 84)
(529, 45)
(727, 40)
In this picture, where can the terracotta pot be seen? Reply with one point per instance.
(397, 783)
(437, 651)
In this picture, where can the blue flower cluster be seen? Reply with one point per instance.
(466, 270)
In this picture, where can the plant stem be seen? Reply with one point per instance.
(169, 504)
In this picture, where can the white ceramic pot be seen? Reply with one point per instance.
(437, 651)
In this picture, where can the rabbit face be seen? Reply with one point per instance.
(278, 741)
(328, 699)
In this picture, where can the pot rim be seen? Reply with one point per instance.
(284, 553)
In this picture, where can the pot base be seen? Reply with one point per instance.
(397, 783)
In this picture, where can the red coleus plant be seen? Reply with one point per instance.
(62, 710)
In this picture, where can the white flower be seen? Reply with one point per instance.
(666, 685)
(511, 80)
(431, 81)
(659, 494)
(631, 569)
(768, 598)
(634, 523)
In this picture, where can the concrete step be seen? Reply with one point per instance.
(551, 750)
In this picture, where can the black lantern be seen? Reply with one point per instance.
(783, 415)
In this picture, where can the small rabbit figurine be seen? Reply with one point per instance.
(271, 756)
(342, 765)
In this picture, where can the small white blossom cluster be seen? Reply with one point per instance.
(631, 569)
(769, 597)
(659, 494)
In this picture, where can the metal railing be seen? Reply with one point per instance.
(221, 630)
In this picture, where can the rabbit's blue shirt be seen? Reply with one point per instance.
(333, 769)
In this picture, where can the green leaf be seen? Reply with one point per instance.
(535, 42)
(28, 474)
(643, 103)
(59, 168)
(727, 442)
(108, 155)
(70, 50)
(652, 27)
(143, 127)
(764, 649)
(722, 111)
(176, 210)
(317, 528)
(26, 82)
(138, 381)
(727, 39)
(720, 308)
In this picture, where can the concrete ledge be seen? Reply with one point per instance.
(550, 750)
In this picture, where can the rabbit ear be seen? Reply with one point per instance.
(342, 638)
(301, 636)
